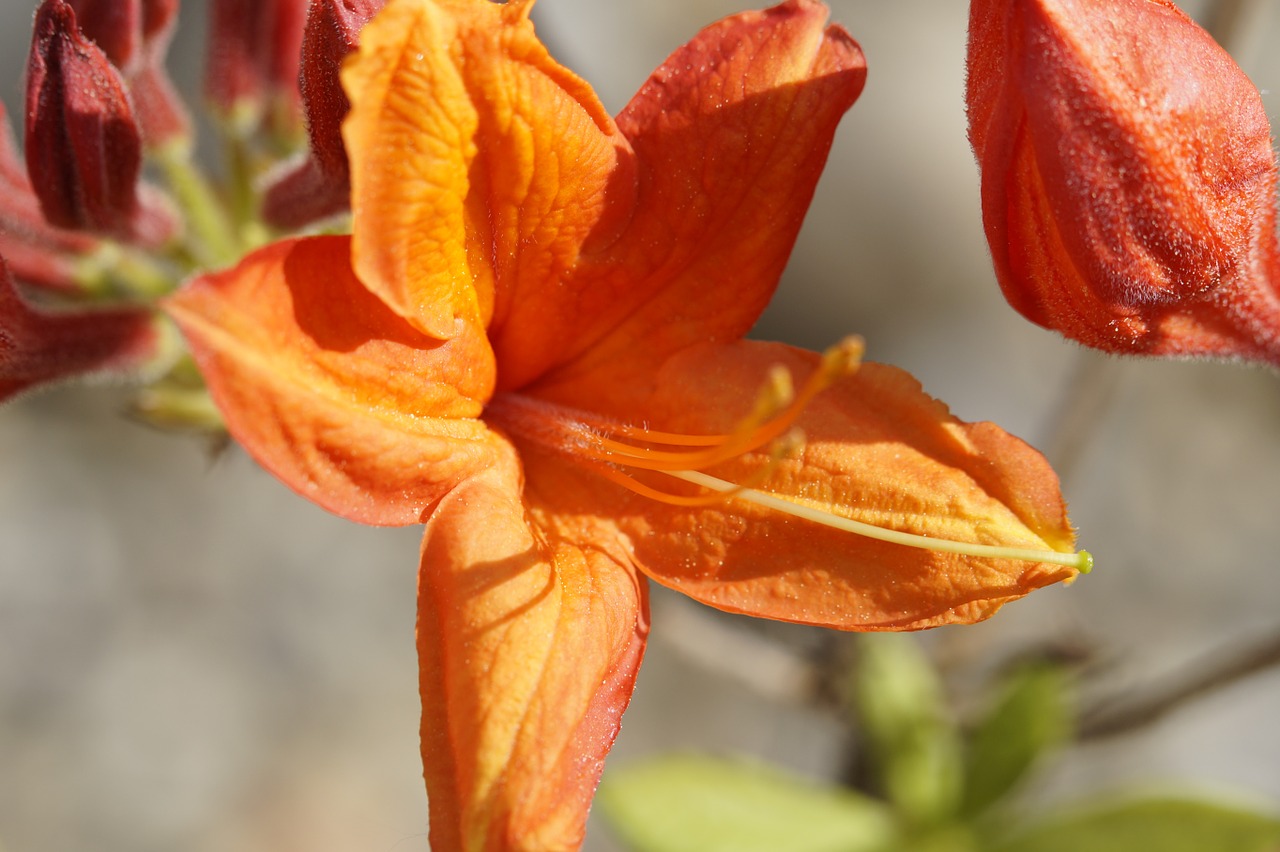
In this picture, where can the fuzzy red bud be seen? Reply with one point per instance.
(320, 186)
(83, 149)
(1128, 179)
(253, 56)
(39, 348)
(113, 25)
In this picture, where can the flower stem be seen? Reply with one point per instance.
(114, 267)
(214, 242)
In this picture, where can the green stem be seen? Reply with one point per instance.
(214, 242)
(114, 267)
(240, 168)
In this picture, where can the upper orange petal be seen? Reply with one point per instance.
(479, 166)
(328, 389)
(731, 134)
(877, 450)
(529, 639)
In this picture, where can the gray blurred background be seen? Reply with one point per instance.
(192, 658)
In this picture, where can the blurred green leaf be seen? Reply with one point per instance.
(907, 723)
(1030, 717)
(689, 803)
(1152, 825)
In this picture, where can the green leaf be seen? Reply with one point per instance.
(1152, 825)
(690, 803)
(907, 724)
(1031, 717)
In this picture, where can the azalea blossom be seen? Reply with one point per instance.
(532, 342)
(1128, 178)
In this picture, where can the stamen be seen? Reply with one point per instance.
(613, 450)
(776, 409)
(786, 447)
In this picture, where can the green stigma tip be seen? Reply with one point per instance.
(1086, 562)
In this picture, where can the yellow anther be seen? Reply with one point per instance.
(843, 359)
(778, 392)
(788, 446)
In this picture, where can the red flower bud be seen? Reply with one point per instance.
(320, 186)
(1128, 180)
(158, 18)
(35, 264)
(333, 32)
(37, 252)
(83, 148)
(253, 56)
(113, 25)
(12, 171)
(161, 113)
(38, 348)
(135, 35)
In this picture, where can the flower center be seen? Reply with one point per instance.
(622, 453)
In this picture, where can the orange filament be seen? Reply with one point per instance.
(609, 448)
(783, 448)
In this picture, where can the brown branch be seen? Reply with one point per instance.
(1127, 710)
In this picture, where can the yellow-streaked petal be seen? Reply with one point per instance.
(530, 633)
(344, 401)
(878, 450)
(479, 166)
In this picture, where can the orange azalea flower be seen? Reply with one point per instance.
(532, 341)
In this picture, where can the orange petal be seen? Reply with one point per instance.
(329, 390)
(477, 163)
(731, 134)
(877, 450)
(529, 638)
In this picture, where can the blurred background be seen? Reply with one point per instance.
(192, 658)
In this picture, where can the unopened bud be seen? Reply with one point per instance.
(83, 150)
(320, 186)
(253, 54)
(332, 33)
(135, 35)
(125, 29)
(1128, 180)
(115, 26)
(12, 171)
(39, 348)
(158, 18)
(38, 253)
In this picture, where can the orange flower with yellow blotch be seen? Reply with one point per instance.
(532, 342)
